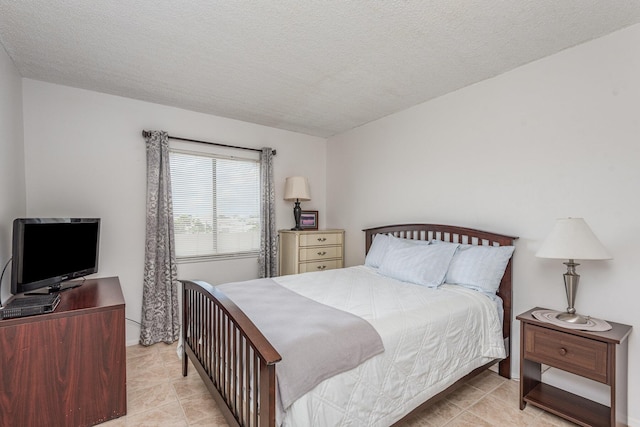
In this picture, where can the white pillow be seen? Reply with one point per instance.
(377, 250)
(417, 263)
(479, 267)
(380, 245)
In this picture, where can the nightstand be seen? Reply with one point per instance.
(310, 250)
(599, 356)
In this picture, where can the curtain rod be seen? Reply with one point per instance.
(146, 133)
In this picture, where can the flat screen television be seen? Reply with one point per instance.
(50, 251)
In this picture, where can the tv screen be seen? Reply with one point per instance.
(49, 251)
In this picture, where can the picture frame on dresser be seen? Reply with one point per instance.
(309, 220)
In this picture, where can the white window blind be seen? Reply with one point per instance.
(216, 205)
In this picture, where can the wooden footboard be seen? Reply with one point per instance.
(234, 359)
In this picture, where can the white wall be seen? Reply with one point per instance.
(12, 187)
(555, 138)
(85, 156)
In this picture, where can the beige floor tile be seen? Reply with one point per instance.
(166, 348)
(144, 399)
(174, 369)
(467, 419)
(144, 360)
(487, 381)
(118, 422)
(500, 413)
(145, 376)
(210, 423)
(439, 414)
(414, 421)
(189, 386)
(555, 420)
(509, 391)
(167, 415)
(169, 356)
(465, 396)
(540, 422)
(138, 350)
(199, 408)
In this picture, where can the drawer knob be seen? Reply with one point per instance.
(321, 239)
(563, 351)
(322, 253)
(321, 267)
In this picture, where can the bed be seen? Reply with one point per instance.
(238, 363)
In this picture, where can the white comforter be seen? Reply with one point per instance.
(432, 337)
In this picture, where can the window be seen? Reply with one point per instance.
(216, 205)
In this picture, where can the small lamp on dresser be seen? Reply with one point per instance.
(572, 239)
(296, 188)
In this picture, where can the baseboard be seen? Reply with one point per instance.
(633, 422)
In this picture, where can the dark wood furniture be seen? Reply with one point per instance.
(238, 364)
(599, 356)
(66, 368)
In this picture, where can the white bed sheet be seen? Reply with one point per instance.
(432, 337)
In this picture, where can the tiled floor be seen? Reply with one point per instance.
(158, 395)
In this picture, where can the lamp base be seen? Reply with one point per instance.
(572, 318)
(297, 211)
(571, 280)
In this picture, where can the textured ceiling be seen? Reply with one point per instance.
(316, 67)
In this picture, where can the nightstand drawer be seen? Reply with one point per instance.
(306, 267)
(320, 253)
(321, 239)
(571, 353)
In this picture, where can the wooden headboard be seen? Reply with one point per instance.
(453, 234)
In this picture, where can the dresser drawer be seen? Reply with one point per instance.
(306, 267)
(571, 353)
(321, 239)
(320, 253)
(302, 251)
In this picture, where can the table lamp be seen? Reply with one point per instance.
(572, 239)
(296, 188)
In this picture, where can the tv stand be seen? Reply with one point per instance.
(56, 288)
(66, 368)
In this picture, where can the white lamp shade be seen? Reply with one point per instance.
(296, 188)
(571, 238)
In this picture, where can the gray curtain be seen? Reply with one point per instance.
(160, 318)
(268, 238)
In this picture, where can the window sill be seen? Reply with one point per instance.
(218, 257)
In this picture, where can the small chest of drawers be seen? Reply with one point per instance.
(310, 250)
(598, 356)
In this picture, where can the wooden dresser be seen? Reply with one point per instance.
(310, 250)
(66, 368)
(599, 356)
